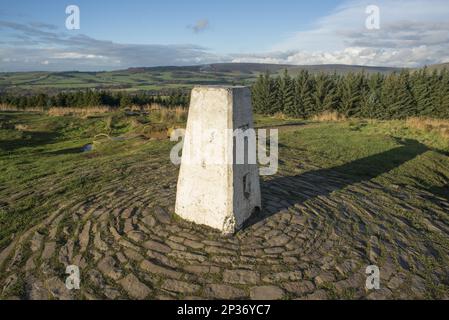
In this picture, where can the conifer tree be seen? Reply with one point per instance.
(349, 93)
(264, 94)
(397, 99)
(440, 96)
(323, 95)
(286, 94)
(303, 97)
(421, 90)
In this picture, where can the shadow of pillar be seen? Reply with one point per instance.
(291, 190)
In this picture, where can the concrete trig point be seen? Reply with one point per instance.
(213, 189)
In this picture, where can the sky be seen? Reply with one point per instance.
(143, 33)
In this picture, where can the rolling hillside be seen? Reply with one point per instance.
(157, 78)
(438, 67)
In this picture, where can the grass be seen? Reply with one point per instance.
(429, 125)
(43, 166)
(119, 80)
(44, 170)
(83, 112)
(328, 116)
(160, 77)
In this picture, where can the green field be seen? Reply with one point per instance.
(158, 78)
(347, 194)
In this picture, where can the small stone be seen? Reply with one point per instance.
(136, 236)
(266, 293)
(108, 267)
(219, 251)
(299, 219)
(188, 256)
(162, 215)
(418, 287)
(114, 233)
(36, 242)
(128, 226)
(128, 244)
(283, 276)
(395, 282)
(111, 293)
(134, 287)
(36, 290)
(156, 246)
(311, 272)
(127, 213)
(162, 258)
(278, 241)
(198, 269)
(221, 291)
(96, 278)
(275, 250)
(317, 295)
(382, 294)
(153, 268)
(100, 244)
(299, 288)
(30, 265)
(58, 289)
(96, 255)
(193, 244)
(323, 278)
(84, 237)
(179, 286)
(346, 267)
(149, 221)
(241, 276)
(66, 253)
(175, 246)
(49, 250)
(133, 255)
(121, 257)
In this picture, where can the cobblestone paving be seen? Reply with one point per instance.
(315, 237)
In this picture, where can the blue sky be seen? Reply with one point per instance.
(234, 25)
(133, 33)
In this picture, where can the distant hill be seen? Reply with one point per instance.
(164, 77)
(438, 67)
(256, 68)
(275, 68)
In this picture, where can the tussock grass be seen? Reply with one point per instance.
(329, 116)
(430, 125)
(82, 112)
(173, 114)
(6, 107)
(280, 116)
(176, 114)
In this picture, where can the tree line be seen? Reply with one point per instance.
(394, 96)
(90, 98)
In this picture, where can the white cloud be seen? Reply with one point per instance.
(30, 46)
(76, 55)
(412, 33)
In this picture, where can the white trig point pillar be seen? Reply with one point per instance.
(218, 186)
